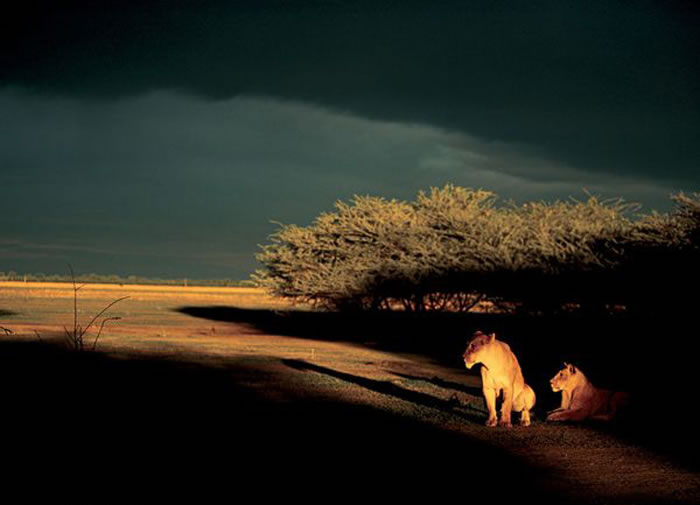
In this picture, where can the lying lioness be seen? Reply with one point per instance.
(500, 372)
(582, 400)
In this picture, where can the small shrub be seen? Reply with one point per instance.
(76, 335)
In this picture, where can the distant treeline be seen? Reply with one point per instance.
(116, 279)
(453, 248)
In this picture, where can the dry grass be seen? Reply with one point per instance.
(148, 316)
(63, 289)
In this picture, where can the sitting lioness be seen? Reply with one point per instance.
(500, 371)
(582, 400)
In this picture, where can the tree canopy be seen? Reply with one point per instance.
(455, 247)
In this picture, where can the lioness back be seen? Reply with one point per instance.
(582, 400)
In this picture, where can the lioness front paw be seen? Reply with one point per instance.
(491, 422)
(505, 423)
(554, 416)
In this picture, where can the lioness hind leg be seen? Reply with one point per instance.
(523, 404)
(525, 400)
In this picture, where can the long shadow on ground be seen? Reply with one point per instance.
(653, 358)
(473, 414)
(118, 420)
(441, 383)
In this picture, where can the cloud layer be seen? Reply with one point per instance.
(606, 86)
(170, 185)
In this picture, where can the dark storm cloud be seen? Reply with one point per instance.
(604, 86)
(165, 184)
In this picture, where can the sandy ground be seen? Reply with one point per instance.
(294, 412)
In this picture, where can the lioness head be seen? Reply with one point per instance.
(564, 379)
(475, 347)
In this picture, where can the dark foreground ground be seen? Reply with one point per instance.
(263, 426)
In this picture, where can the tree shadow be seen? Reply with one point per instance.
(441, 335)
(651, 357)
(172, 419)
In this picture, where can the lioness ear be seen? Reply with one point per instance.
(492, 337)
(572, 368)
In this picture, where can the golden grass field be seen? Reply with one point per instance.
(302, 404)
(151, 325)
(147, 317)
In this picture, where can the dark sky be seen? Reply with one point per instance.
(161, 138)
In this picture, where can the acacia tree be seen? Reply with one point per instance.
(454, 247)
(331, 262)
